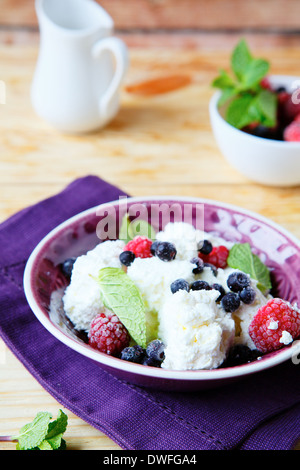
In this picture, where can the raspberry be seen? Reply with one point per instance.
(265, 83)
(217, 257)
(291, 109)
(140, 246)
(108, 334)
(273, 324)
(292, 132)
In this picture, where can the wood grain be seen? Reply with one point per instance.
(157, 145)
(179, 14)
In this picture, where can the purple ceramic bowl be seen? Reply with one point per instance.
(277, 248)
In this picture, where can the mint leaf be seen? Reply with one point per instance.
(45, 445)
(138, 227)
(124, 229)
(56, 430)
(240, 112)
(120, 294)
(58, 426)
(42, 434)
(255, 72)
(241, 257)
(267, 105)
(246, 101)
(223, 80)
(32, 434)
(226, 95)
(240, 59)
(141, 228)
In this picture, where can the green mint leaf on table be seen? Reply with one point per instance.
(241, 257)
(244, 99)
(43, 434)
(120, 294)
(32, 434)
(138, 227)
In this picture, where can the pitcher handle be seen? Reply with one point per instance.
(119, 50)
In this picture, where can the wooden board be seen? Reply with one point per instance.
(179, 14)
(159, 144)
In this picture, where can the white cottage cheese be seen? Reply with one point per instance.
(82, 299)
(197, 332)
(195, 328)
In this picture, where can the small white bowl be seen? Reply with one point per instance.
(265, 161)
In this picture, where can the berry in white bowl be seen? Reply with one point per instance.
(255, 120)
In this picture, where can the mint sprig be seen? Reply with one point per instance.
(41, 433)
(245, 100)
(120, 294)
(241, 257)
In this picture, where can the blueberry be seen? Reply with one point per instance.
(280, 89)
(155, 350)
(221, 289)
(165, 251)
(240, 354)
(200, 285)
(153, 247)
(212, 267)
(179, 284)
(199, 265)
(230, 302)
(247, 295)
(134, 354)
(67, 266)
(205, 247)
(237, 281)
(127, 257)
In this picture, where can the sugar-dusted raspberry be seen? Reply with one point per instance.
(275, 324)
(292, 132)
(108, 334)
(218, 256)
(140, 246)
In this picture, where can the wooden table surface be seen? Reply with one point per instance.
(159, 144)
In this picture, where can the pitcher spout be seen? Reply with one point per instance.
(74, 16)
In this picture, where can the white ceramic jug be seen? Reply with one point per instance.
(80, 66)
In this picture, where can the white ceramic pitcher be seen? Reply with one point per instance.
(80, 66)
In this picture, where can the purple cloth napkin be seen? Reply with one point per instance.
(261, 412)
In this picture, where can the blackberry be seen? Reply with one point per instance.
(199, 265)
(240, 354)
(221, 289)
(200, 285)
(155, 351)
(205, 247)
(230, 302)
(179, 284)
(148, 361)
(134, 354)
(67, 266)
(247, 295)
(165, 251)
(237, 281)
(127, 257)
